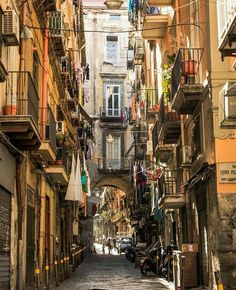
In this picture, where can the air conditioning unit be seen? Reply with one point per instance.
(227, 106)
(103, 114)
(186, 155)
(10, 28)
(60, 127)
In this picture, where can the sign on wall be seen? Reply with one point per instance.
(227, 172)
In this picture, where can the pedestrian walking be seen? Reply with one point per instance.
(103, 246)
(109, 246)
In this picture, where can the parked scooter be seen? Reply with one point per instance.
(166, 264)
(130, 254)
(149, 263)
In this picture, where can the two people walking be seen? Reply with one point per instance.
(111, 244)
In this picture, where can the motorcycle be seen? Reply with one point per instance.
(166, 265)
(130, 254)
(149, 263)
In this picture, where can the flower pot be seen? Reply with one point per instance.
(9, 110)
(189, 67)
(58, 162)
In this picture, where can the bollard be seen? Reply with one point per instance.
(56, 272)
(37, 276)
(61, 268)
(47, 274)
(219, 281)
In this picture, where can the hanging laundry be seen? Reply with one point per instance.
(133, 109)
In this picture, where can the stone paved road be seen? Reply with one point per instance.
(110, 272)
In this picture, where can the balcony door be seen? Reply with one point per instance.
(113, 153)
(113, 100)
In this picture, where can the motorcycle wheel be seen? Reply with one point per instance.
(145, 269)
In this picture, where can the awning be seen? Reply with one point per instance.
(199, 177)
(85, 114)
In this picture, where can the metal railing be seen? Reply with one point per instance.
(155, 136)
(51, 128)
(186, 68)
(120, 113)
(22, 95)
(169, 182)
(154, 10)
(167, 114)
(66, 66)
(114, 164)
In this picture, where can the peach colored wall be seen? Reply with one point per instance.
(225, 152)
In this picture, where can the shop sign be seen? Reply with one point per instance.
(227, 172)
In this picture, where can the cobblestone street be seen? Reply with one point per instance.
(110, 272)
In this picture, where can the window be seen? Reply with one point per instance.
(113, 100)
(112, 49)
(113, 153)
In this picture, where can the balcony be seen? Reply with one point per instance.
(114, 117)
(139, 51)
(169, 124)
(121, 165)
(21, 113)
(152, 107)
(67, 76)
(161, 151)
(226, 12)
(155, 21)
(159, 2)
(170, 194)
(130, 57)
(186, 88)
(58, 174)
(48, 147)
(59, 171)
(57, 32)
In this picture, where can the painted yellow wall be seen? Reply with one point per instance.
(225, 152)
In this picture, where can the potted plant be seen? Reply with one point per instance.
(60, 138)
(9, 110)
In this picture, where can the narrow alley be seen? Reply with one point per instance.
(110, 272)
(117, 144)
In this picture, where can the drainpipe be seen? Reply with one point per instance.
(42, 225)
(44, 85)
(18, 167)
(20, 217)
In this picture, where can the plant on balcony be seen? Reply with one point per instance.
(61, 138)
(166, 83)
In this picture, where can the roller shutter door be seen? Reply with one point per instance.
(5, 223)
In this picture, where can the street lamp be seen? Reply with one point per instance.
(113, 4)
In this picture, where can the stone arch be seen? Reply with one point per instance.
(123, 184)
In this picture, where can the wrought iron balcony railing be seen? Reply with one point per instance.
(23, 101)
(107, 164)
(51, 128)
(167, 114)
(186, 68)
(170, 182)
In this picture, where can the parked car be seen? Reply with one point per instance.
(124, 244)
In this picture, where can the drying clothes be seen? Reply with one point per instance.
(133, 110)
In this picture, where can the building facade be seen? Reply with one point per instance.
(42, 60)
(187, 60)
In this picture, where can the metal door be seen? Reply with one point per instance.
(30, 247)
(5, 225)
